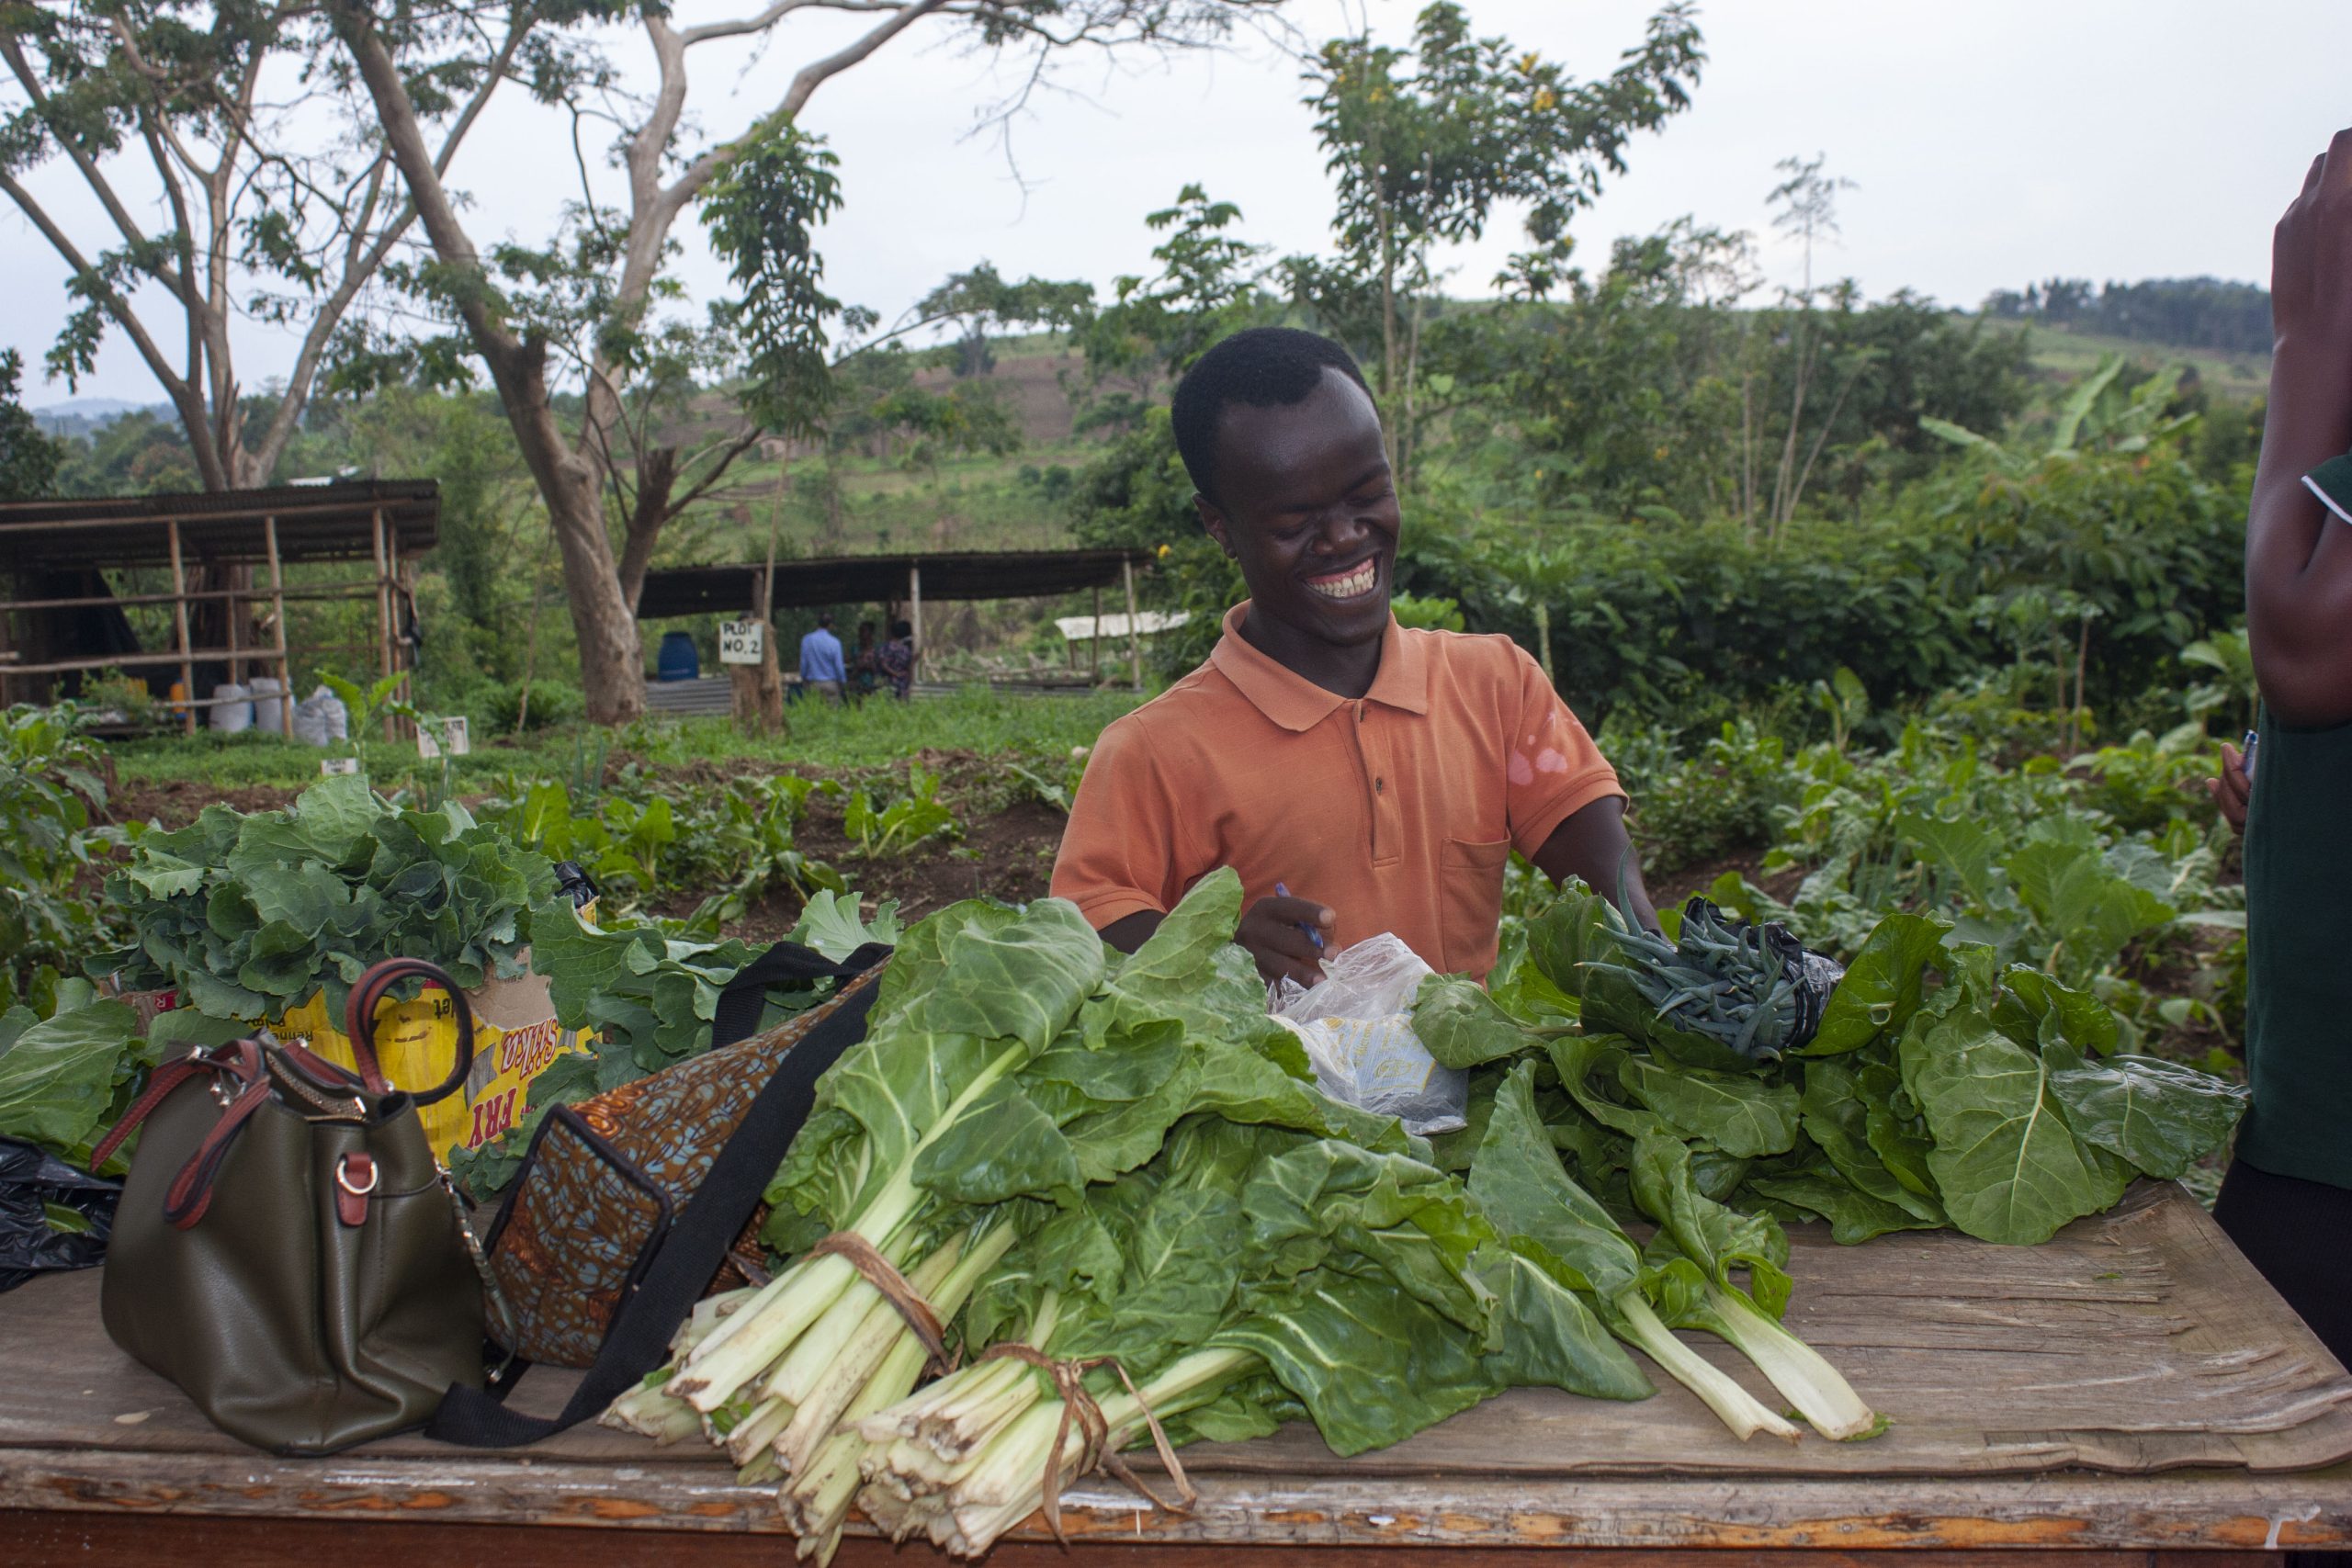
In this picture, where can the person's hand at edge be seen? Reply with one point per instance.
(2231, 788)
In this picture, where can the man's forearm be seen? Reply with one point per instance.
(2299, 555)
(1593, 844)
(1130, 932)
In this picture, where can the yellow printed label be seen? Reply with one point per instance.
(416, 1041)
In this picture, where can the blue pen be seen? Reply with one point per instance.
(1313, 935)
(2245, 762)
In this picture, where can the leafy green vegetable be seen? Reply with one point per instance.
(249, 916)
(831, 924)
(58, 1075)
(2159, 1115)
(2008, 1167)
(1881, 987)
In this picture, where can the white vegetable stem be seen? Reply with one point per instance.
(748, 1342)
(1738, 1409)
(1009, 1482)
(1804, 1378)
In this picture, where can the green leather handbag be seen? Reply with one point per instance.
(287, 1249)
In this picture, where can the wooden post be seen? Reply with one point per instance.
(914, 601)
(1135, 637)
(277, 618)
(401, 661)
(236, 632)
(383, 610)
(179, 618)
(743, 680)
(1095, 643)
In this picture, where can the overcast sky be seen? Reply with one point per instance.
(1993, 141)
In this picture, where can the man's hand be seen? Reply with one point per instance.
(2233, 788)
(2299, 557)
(2311, 265)
(1274, 930)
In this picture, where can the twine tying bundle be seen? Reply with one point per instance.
(884, 1276)
(1095, 1432)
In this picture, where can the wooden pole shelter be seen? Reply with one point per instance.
(197, 552)
(914, 602)
(179, 619)
(383, 606)
(277, 623)
(1134, 635)
(235, 630)
(1095, 643)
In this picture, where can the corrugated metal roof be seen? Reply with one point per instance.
(858, 580)
(322, 522)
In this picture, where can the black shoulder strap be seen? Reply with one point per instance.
(639, 1338)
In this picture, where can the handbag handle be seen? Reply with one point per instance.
(359, 1023)
(239, 1059)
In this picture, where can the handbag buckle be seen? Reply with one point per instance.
(342, 1175)
(351, 1196)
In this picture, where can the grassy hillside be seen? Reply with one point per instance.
(2067, 355)
(893, 496)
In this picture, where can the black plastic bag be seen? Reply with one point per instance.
(32, 1183)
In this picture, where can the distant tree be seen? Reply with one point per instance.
(980, 303)
(138, 454)
(224, 177)
(576, 309)
(1423, 144)
(28, 455)
(2184, 312)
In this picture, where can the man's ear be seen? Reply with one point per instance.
(1213, 522)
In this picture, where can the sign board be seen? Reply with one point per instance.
(742, 642)
(331, 766)
(435, 736)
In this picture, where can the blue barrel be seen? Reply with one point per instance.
(679, 660)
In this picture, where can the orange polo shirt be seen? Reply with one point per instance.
(1399, 810)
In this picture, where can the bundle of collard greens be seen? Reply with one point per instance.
(1094, 1156)
(1995, 1102)
(249, 915)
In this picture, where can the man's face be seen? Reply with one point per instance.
(1307, 509)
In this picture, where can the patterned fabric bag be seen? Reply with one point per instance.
(605, 1180)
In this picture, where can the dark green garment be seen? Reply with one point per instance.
(2299, 957)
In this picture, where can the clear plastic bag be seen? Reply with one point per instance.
(1357, 1026)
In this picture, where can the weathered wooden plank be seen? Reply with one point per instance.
(2137, 1342)
(62, 1539)
(2073, 1510)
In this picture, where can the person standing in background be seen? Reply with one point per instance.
(865, 667)
(821, 660)
(896, 659)
(2287, 1199)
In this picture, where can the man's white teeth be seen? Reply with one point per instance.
(1357, 582)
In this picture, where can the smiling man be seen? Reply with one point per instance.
(1381, 776)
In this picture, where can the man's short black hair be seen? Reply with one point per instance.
(1263, 368)
(824, 617)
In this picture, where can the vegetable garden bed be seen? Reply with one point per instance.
(2132, 1385)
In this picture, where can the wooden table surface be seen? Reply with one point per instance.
(2132, 1388)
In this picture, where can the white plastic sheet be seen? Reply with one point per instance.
(1357, 1026)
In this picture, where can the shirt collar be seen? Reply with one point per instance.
(1296, 702)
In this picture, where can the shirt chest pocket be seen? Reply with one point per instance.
(1470, 902)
